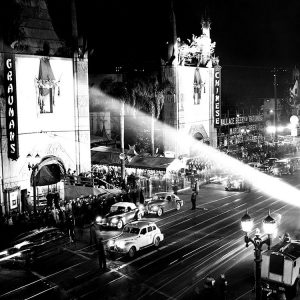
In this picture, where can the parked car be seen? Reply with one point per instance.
(263, 168)
(269, 162)
(25, 247)
(120, 214)
(135, 236)
(163, 202)
(295, 161)
(282, 167)
(254, 164)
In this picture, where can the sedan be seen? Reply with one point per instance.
(163, 202)
(120, 214)
(26, 246)
(135, 236)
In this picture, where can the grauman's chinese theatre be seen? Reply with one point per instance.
(194, 106)
(44, 112)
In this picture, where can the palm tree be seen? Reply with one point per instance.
(145, 94)
(149, 97)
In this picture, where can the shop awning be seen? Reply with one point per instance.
(103, 155)
(150, 163)
(49, 171)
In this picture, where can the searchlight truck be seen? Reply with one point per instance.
(280, 270)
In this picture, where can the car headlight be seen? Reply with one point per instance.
(5, 252)
(120, 244)
(114, 220)
(98, 219)
(110, 243)
(154, 208)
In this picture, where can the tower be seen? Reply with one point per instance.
(206, 27)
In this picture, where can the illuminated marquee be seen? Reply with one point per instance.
(217, 97)
(11, 106)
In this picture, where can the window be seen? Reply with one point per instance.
(150, 228)
(143, 231)
(46, 85)
(153, 227)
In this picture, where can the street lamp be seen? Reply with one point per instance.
(269, 225)
(32, 165)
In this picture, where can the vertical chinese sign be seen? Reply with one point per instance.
(11, 106)
(217, 96)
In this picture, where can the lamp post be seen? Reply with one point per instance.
(269, 225)
(32, 165)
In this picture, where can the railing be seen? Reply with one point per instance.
(87, 181)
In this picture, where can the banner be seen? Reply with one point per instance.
(11, 106)
(217, 96)
(13, 198)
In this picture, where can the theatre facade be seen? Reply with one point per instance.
(44, 114)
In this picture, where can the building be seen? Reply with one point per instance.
(44, 111)
(194, 107)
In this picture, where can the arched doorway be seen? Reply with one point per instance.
(49, 171)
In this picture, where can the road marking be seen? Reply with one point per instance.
(81, 274)
(38, 294)
(76, 253)
(236, 200)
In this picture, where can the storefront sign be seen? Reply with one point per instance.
(244, 129)
(11, 106)
(241, 120)
(217, 96)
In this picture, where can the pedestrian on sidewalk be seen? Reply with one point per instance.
(101, 255)
(93, 237)
(70, 228)
(193, 199)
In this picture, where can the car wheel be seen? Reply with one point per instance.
(138, 215)
(120, 224)
(156, 241)
(159, 212)
(178, 206)
(131, 252)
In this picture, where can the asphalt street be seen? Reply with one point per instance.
(198, 243)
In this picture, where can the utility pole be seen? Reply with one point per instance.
(275, 105)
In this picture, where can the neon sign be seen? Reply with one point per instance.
(217, 97)
(11, 107)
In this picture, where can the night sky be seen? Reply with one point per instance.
(252, 37)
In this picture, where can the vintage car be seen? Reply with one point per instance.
(120, 214)
(254, 164)
(237, 183)
(282, 167)
(134, 237)
(163, 202)
(25, 247)
(295, 161)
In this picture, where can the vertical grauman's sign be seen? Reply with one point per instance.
(217, 96)
(11, 106)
